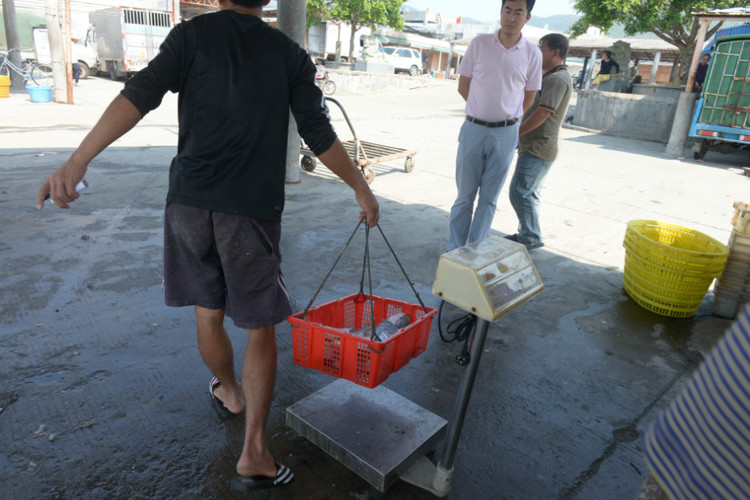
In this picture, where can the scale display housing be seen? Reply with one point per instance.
(488, 278)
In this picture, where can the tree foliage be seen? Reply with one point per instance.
(357, 13)
(318, 10)
(670, 20)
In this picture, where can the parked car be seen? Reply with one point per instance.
(404, 59)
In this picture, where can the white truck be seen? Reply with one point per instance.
(325, 36)
(127, 38)
(82, 53)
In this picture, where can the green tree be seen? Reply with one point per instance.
(318, 10)
(367, 13)
(670, 20)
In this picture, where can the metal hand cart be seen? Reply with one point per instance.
(362, 152)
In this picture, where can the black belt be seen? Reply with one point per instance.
(504, 123)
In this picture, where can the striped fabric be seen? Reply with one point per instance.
(699, 447)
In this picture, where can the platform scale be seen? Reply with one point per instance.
(382, 436)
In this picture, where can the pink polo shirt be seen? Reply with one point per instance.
(500, 76)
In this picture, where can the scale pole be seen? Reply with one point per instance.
(464, 393)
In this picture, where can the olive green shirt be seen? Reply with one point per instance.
(543, 141)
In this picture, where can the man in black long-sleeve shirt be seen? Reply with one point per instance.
(237, 79)
(700, 73)
(605, 69)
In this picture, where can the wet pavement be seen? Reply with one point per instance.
(102, 389)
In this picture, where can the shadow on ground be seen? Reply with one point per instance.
(724, 158)
(104, 393)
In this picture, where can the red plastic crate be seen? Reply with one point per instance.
(321, 343)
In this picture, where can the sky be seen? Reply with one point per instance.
(489, 10)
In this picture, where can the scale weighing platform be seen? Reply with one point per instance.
(382, 436)
(374, 432)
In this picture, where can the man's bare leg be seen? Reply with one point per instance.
(258, 376)
(216, 349)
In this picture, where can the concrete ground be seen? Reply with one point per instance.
(102, 389)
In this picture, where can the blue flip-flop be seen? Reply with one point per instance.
(249, 483)
(531, 245)
(222, 410)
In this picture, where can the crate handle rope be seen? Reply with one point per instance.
(365, 264)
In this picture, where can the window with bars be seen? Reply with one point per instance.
(147, 18)
(161, 19)
(726, 91)
(134, 16)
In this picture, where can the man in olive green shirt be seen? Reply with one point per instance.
(539, 139)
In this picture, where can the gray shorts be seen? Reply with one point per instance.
(221, 261)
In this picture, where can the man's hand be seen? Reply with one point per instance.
(119, 117)
(61, 185)
(370, 207)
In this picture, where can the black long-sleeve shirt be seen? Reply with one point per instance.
(606, 67)
(237, 78)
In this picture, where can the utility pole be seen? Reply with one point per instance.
(11, 35)
(451, 41)
(68, 54)
(291, 16)
(686, 103)
(176, 11)
(56, 52)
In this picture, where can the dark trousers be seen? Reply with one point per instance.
(76, 71)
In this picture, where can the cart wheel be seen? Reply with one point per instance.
(308, 163)
(368, 174)
(409, 164)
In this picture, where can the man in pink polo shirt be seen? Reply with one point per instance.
(498, 78)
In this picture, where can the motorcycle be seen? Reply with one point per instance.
(323, 81)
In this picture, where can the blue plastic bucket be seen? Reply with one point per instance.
(39, 93)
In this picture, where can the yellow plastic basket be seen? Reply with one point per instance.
(682, 267)
(676, 246)
(668, 268)
(4, 86)
(650, 275)
(659, 304)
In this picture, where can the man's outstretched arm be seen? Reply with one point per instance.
(119, 117)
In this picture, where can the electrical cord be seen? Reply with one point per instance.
(458, 330)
